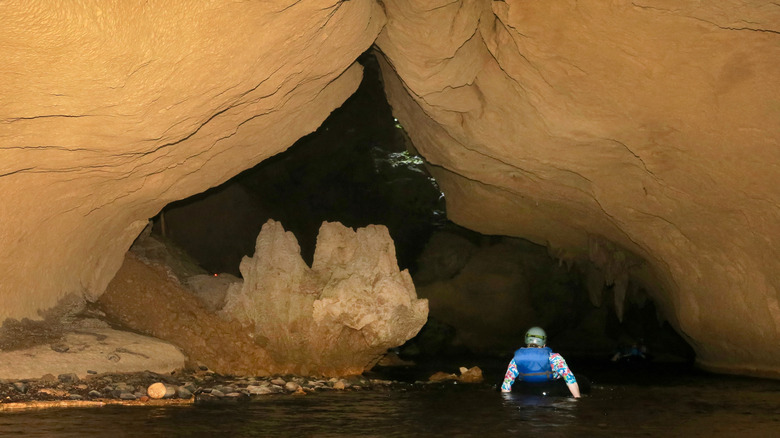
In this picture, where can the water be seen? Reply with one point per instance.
(648, 403)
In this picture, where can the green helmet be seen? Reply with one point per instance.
(536, 336)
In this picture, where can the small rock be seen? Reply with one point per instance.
(52, 392)
(292, 387)
(339, 385)
(299, 391)
(156, 390)
(21, 387)
(441, 376)
(144, 398)
(217, 393)
(471, 375)
(81, 386)
(259, 390)
(127, 396)
(203, 367)
(48, 378)
(124, 387)
(183, 393)
(59, 348)
(75, 397)
(68, 378)
(91, 372)
(279, 381)
(95, 394)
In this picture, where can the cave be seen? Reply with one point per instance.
(633, 145)
(360, 168)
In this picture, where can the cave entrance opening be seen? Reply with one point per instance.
(359, 168)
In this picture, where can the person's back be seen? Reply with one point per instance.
(538, 363)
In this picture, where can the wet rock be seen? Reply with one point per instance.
(471, 375)
(75, 397)
(183, 393)
(441, 376)
(127, 396)
(217, 393)
(339, 384)
(279, 381)
(95, 394)
(291, 387)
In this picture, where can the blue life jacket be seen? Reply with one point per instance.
(533, 364)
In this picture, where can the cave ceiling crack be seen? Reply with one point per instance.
(45, 116)
(711, 23)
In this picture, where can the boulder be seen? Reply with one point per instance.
(337, 317)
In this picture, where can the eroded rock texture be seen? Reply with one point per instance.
(148, 299)
(338, 317)
(641, 136)
(110, 111)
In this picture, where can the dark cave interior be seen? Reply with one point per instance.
(359, 168)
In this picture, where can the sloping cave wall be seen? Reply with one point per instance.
(111, 111)
(642, 136)
(638, 135)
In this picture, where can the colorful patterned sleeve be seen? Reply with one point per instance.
(510, 376)
(560, 369)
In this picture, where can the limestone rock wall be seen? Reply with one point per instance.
(338, 317)
(642, 136)
(111, 110)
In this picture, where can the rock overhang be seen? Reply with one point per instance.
(649, 128)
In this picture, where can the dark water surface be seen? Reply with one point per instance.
(643, 404)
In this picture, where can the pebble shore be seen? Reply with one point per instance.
(201, 387)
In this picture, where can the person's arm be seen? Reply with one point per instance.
(560, 368)
(509, 377)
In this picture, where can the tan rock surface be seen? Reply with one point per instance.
(144, 298)
(109, 111)
(102, 350)
(640, 135)
(336, 318)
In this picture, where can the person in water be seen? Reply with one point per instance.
(537, 363)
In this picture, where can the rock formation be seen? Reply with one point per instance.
(639, 136)
(338, 317)
(147, 299)
(110, 111)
